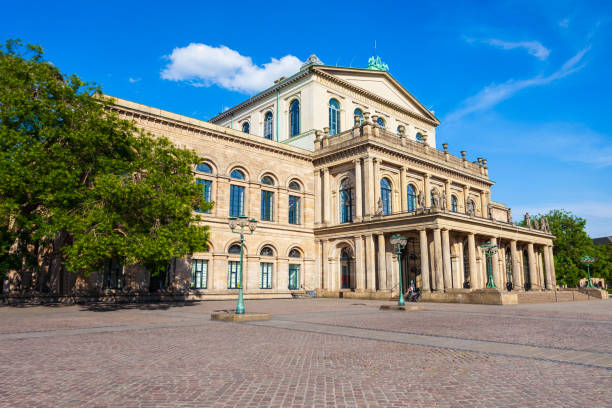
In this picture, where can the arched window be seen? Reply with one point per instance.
(381, 122)
(419, 137)
(294, 117)
(267, 180)
(334, 117)
(399, 129)
(268, 126)
(411, 198)
(346, 202)
(295, 253)
(454, 207)
(246, 127)
(237, 174)
(234, 249)
(204, 168)
(359, 113)
(266, 251)
(294, 186)
(385, 195)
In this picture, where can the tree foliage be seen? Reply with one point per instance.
(572, 243)
(80, 182)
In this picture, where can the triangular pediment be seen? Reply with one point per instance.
(381, 84)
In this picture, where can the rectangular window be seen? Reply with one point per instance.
(233, 271)
(206, 187)
(265, 277)
(113, 274)
(294, 210)
(294, 276)
(236, 201)
(267, 203)
(199, 273)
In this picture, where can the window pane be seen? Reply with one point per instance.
(206, 188)
(294, 210)
(237, 174)
(203, 168)
(385, 195)
(411, 198)
(233, 269)
(265, 276)
(236, 201)
(199, 273)
(294, 112)
(334, 117)
(267, 204)
(246, 127)
(294, 276)
(268, 126)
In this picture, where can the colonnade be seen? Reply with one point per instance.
(367, 173)
(449, 259)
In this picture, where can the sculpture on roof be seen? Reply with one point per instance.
(376, 64)
(312, 60)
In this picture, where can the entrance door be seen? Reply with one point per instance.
(294, 274)
(411, 265)
(345, 269)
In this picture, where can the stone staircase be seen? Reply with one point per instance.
(554, 296)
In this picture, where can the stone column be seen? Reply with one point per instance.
(424, 260)
(318, 268)
(553, 277)
(495, 265)
(403, 190)
(516, 269)
(376, 181)
(371, 263)
(548, 269)
(326, 197)
(368, 192)
(533, 272)
(446, 257)
(460, 274)
(318, 196)
(483, 204)
(466, 195)
(325, 262)
(360, 265)
(438, 260)
(358, 189)
(426, 190)
(382, 263)
(447, 191)
(474, 281)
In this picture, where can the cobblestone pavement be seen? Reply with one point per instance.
(321, 352)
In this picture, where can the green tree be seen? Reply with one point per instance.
(572, 243)
(78, 184)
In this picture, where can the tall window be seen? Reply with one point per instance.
(294, 118)
(113, 274)
(236, 201)
(411, 198)
(267, 205)
(268, 126)
(233, 269)
(199, 273)
(294, 209)
(294, 276)
(385, 195)
(345, 269)
(265, 276)
(454, 207)
(346, 202)
(381, 122)
(205, 185)
(359, 113)
(334, 117)
(204, 168)
(246, 128)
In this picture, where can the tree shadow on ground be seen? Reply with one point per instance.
(111, 307)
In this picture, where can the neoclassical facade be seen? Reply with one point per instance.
(332, 162)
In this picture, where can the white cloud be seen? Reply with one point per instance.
(534, 48)
(203, 65)
(134, 80)
(493, 94)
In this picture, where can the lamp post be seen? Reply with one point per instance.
(399, 242)
(243, 223)
(489, 251)
(588, 260)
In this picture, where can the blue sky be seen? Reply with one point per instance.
(524, 84)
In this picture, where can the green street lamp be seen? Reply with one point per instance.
(588, 260)
(399, 242)
(243, 223)
(489, 251)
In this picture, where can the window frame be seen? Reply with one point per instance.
(294, 210)
(345, 195)
(294, 118)
(334, 116)
(411, 198)
(203, 272)
(266, 269)
(268, 131)
(387, 204)
(233, 272)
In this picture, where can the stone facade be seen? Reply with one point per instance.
(354, 189)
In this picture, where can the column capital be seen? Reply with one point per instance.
(357, 160)
(422, 229)
(426, 175)
(317, 171)
(325, 169)
(447, 182)
(376, 159)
